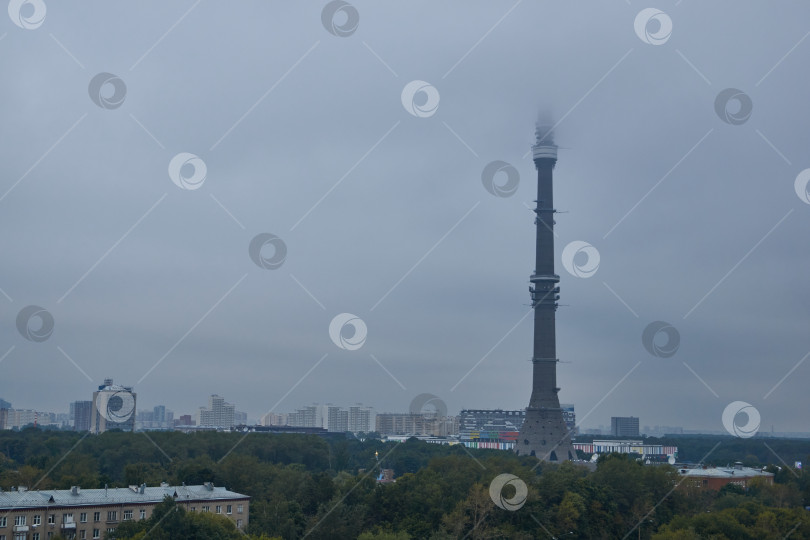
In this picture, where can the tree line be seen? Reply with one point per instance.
(308, 486)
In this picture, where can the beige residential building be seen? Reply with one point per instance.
(113, 408)
(269, 419)
(416, 424)
(89, 513)
(218, 414)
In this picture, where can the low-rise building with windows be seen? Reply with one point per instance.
(716, 477)
(89, 513)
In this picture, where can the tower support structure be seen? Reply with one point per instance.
(544, 433)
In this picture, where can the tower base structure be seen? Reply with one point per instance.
(545, 435)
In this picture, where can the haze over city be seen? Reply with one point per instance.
(384, 215)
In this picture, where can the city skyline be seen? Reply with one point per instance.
(323, 223)
(597, 427)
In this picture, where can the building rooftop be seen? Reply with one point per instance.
(725, 472)
(97, 497)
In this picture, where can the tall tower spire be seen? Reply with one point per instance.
(544, 433)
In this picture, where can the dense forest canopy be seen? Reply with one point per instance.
(326, 488)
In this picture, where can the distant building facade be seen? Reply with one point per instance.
(91, 513)
(82, 414)
(273, 419)
(20, 418)
(159, 418)
(357, 418)
(624, 426)
(113, 408)
(656, 452)
(337, 419)
(218, 414)
(490, 428)
(416, 424)
(716, 477)
(570, 418)
(361, 419)
(310, 416)
(184, 420)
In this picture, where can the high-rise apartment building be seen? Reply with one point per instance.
(361, 419)
(624, 426)
(337, 419)
(218, 414)
(113, 408)
(309, 416)
(82, 413)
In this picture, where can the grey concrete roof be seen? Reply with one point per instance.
(725, 472)
(97, 497)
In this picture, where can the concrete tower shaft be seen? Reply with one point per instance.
(544, 433)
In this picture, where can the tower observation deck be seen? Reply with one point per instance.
(544, 433)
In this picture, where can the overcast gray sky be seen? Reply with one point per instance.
(305, 135)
